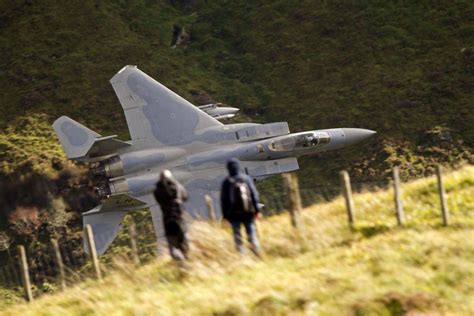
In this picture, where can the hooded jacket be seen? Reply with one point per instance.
(170, 194)
(233, 166)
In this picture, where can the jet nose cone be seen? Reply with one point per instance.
(355, 135)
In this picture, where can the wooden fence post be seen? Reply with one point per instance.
(442, 196)
(210, 208)
(398, 197)
(59, 262)
(347, 191)
(25, 276)
(290, 182)
(93, 251)
(132, 232)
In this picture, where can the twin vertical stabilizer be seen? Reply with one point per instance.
(83, 144)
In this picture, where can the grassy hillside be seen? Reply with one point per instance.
(401, 69)
(376, 269)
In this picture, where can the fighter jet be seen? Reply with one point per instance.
(168, 132)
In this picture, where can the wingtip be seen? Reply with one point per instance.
(118, 76)
(126, 67)
(60, 119)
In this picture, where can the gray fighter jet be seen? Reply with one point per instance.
(169, 132)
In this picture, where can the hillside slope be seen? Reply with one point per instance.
(401, 69)
(376, 269)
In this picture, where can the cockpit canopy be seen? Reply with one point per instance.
(300, 141)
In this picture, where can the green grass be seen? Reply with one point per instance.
(395, 68)
(375, 269)
(29, 142)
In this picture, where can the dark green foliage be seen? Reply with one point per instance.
(398, 68)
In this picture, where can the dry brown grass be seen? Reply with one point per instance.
(375, 269)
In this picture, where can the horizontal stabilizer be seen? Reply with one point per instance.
(83, 144)
(105, 146)
(105, 218)
(105, 226)
(119, 202)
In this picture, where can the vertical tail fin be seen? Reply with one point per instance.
(75, 138)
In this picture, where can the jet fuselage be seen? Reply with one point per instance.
(137, 172)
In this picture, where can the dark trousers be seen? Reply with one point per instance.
(177, 241)
(251, 231)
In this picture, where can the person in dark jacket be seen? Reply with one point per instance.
(171, 195)
(235, 216)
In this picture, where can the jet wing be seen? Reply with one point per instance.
(155, 114)
(209, 181)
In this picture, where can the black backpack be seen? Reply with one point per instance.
(240, 197)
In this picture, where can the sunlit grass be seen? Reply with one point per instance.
(328, 269)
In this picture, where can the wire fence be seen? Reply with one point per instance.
(276, 202)
(44, 270)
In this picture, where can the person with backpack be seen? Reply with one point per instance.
(239, 202)
(171, 195)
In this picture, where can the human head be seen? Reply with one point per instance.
(165, 174)
(233, 165)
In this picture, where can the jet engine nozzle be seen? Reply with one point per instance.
(112, 187)
(103, 191)
(110, 168)
(99, 172)
(118, 186)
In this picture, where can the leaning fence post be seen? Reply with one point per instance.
(59, 262)
(210, 208)
(132, 232)
(93, 251)
(25, 276)
(347, 191)
(442, 195)
(290, 182)
(398, 197)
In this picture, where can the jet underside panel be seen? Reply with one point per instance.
(257, 169)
